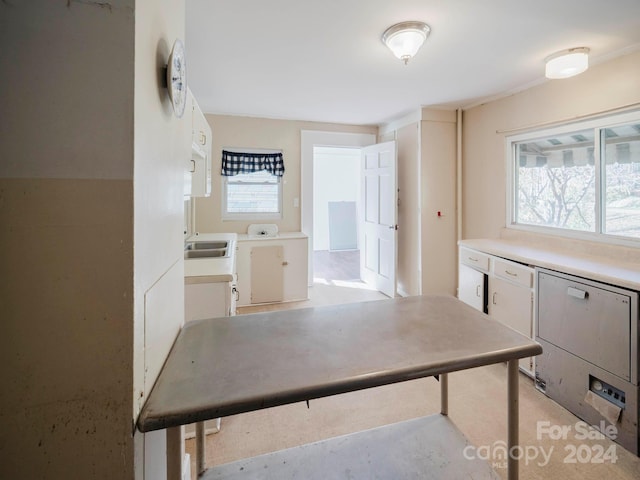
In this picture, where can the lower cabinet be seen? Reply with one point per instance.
(472, 287)
(208, 300)
(272, 270)
(501, 288)
(512, 305)
(267, 265)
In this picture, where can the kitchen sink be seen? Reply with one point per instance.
(205, 245)
(202, 253)
(207, 249)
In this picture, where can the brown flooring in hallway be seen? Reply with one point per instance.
(343, 265)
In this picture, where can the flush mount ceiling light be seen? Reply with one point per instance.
(405, 39)
(567, 63)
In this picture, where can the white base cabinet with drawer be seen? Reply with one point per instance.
(501, 288)
(510, 300)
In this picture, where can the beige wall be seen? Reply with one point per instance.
(408, 173)
(66, 211)
(249, 132)
(438, 194)
(77, 191)
(427, 252)
(602, 87)
(66, 297)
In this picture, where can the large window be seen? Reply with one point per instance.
(583, 179)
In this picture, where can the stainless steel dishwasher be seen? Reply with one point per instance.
(589, 365)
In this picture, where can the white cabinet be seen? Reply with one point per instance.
(472, 286)
(189, 165)
(267, 266)
(198, 170)
(501, 288)
(472, 278)
(272, 269)
(208, 299)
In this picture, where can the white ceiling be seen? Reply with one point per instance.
(324, 61)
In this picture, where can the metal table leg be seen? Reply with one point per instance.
(200, 456)
(512, 419)
(444, 393)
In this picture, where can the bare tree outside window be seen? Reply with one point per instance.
(622, 181)
(557, 197)
(556, 179)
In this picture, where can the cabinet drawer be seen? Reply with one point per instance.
(513, 272)
(474, 259)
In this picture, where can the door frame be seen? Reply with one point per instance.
(308, 140)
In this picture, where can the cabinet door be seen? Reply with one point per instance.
(292, 264)
(267, 274)
(471, 287)
(296, 269)
(189, 165)
(206, 300)
(512, 305)
(201, 153)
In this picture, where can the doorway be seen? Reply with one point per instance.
(336, 197)
(308, 141)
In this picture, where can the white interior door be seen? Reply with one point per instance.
(378, 217)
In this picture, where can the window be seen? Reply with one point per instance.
(252, 184)
(582, 179)
(252, 195)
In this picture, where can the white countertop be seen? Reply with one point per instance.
(211, 237)
(599, 268)
(243, 237)
(208, 270)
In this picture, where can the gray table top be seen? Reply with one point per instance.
(225, 366)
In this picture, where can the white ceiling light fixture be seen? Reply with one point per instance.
(567, 63)
(405, 39)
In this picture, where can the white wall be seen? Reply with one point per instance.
(162, 146)
(603, 87)
(336, 177)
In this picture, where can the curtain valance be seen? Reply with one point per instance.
(234, 163)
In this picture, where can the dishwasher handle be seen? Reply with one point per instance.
(577, 293)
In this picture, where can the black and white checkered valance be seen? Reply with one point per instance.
(234, 163)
